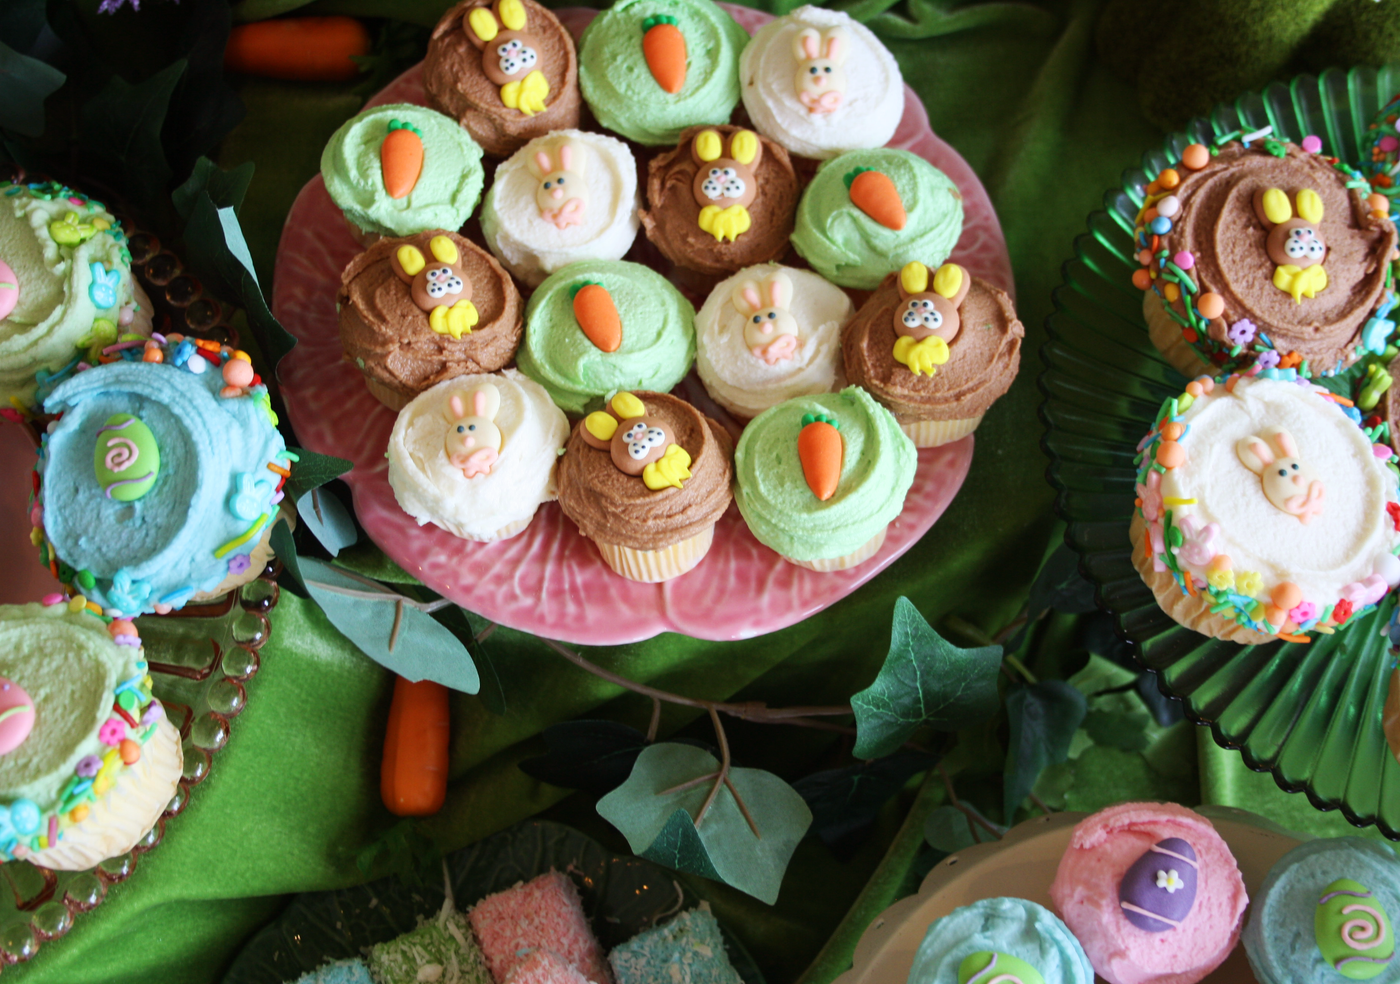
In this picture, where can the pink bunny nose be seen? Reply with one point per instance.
(557, 193)
(819, 80)
(470, 442)
(1297, 479)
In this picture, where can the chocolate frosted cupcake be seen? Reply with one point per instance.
(724, 199)
(935, 347)
(507, 71)
(421, 309)
(646, 479)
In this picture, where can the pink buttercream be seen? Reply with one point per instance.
(1085, 892)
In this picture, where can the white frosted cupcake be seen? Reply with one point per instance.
(770, 334)
(476, 454)
(563, 197)
(820, 84)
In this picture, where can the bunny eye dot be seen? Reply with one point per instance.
(548, 185)
(461, 429)
(560, 181)
(772, 315)
(1295, 466)
(1283, 471)
(757, 318)
(828, 70)
(471, 427)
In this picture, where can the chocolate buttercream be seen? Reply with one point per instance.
(457, 85)
(982, 360)
(612, 507)
(388, 336)
(672, 213)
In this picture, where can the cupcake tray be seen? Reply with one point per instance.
(550, 580)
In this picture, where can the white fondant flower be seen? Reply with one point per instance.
(1170, 880)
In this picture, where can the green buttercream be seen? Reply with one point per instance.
(772, 493)
(448, 187)
(658, 336)
(619, 87)
(848, 247)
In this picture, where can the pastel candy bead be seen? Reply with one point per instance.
(1184, 260)
(1353, 930)
(987, 966)
(1159, 889)
(1313, 144)
(1169, 206)
(9, 289)
(1161, 225)
(126, 458)
(16, 716)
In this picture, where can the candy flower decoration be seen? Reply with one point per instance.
(1295, 245)
(509, 55)
(637, 444)
(1353, 930)
(16, 716)
(770, 331)
(563, 194)
(725, 186)
(597, 316)
(822, 453)
(401, 158)
(663, 46)
(926, 320)
(990, 967)
(1288, 483)
(820, 80)
(875, 194)
(474, 441)
(126, 458)
(439, 288)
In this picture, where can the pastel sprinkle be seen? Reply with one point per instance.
(1313, 143)
(1184, 260)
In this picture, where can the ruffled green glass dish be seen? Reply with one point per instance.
(1310, 715)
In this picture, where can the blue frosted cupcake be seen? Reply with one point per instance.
(991, 938)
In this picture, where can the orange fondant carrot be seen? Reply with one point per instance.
(413, 777)
(597, 316)
(663, 44)
(875, 194)
(820, 449)
(307, 49)
(401, 158)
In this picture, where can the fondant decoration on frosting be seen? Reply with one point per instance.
(72, 231)
(509, 55)
(1295, 244)
(663, 46)
(1289, 484)
(597, 316)
(926, 320)
(562, 195)
(16, 716)
(771, 333)
(238, 375)
(991, 967)
(9, 290)
(473, 441)
(875, 194)
(1159, 889)
(1353, 930)
(440, 287)
(401, 158)
(103, 290)
(822, 453)
(126, 458)
(638, 444)
(820, 80)
(726, 183)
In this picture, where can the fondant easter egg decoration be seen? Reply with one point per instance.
(126, 458)
(16, 716)
(1353, 930)
(987, 966)
(1157, 892)
(9, 290)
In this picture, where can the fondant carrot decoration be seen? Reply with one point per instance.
(413, 776)
(821, 450)
(401, 158)
(307, 49)
(597, 315)
(663, 44)
(875, 194)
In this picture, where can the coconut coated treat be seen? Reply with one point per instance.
(351, 971)
(688, 950)
(441, 950)
(543, 967)
(543, 913)
(978, 943)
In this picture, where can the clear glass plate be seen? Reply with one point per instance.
(1310, 715)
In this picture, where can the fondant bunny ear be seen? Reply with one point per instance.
(807, 44)
(455, 409)
(746, 148)
(779, 290)
(913, 279)
(480, 26)
(1271, 205)
(1254, 453)
(539, 164)
(512, 14)
(486, 401)
(836, 46)
(572, 157)
(407, 262)
(707, 146)
(746, 298)
(443, 249)
(1283, 440)
(1310, 205)
(952, 281)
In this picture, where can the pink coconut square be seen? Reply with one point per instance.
(544, 967)
(545, 913)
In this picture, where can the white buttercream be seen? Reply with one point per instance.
(431, 490)
(870, 110)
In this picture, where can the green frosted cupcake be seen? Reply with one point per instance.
(625, 94)
(597, 327)
(856, 246)
(819, 478)
(402, 169)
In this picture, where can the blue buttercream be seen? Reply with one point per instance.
(1016, 927)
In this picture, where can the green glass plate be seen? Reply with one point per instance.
(1310, 715)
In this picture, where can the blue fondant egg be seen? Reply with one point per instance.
(1159, 889)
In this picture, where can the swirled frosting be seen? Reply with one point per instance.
(1013, 927)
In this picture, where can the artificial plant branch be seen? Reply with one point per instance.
(973, 817)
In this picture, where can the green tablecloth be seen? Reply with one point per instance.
(1018, 91)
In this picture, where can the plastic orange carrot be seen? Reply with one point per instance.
(663, 44)
(875, 194)
(413, 777)
(307, 49)
(821, 451)
(597, 316)
(401, 158)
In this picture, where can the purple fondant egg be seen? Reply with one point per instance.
(1158, 890)
(16, 716)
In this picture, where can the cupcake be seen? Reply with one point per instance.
(160, 483)
(820, 478)
(1002, 940)
(938, 347)
(1326, 912)
(651, 68)
(722, 200)
(424, 308)
(869, 212)
(769, 334)
(1278, 252)
(88, 759)
(400, 169)
(475, 455)
(646, 479)
(1263, 510)
(562, 198)
(820, 83)
(1152, 893)
(505, 69)
(66, 289)
(597, 327)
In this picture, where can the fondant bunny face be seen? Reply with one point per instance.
(637, 443)
(473, 442)
(770, 331)
(726, 179)
(1288, 482)
(562, 194)
(510, 55)
(929, 305)
(439, 287)
(1295, 243)
(820, 80)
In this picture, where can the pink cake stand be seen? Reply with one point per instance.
(550, 580)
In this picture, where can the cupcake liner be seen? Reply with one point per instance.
(126, 813)
(1165, 334)
(258, 558)
(504, 533)
(857, 556)
(650, 566)
(391, 398)
(935, 433)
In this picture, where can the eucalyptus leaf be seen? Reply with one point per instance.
(948, 829)
(121, 126)
(312, 470)
(1043, 719)
(24, 85)
(644, 809)
(226, 189)
(284, 545)
(843, 801)
(925, 680)
(596, 756)
(328, 520)
(492, 693)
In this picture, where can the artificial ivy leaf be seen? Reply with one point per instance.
(328, 520)
(595, 756)
(1043, 719)
(121, 126)
(926, 680)
(843, 801)
(226, 189)
(492, 693)
(1166, 711)
(644, 810)
(422, 649)
(948, 829)
(312, 470)
(1125, 730)
(20, 23)
(24, 85)
(284, 545)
